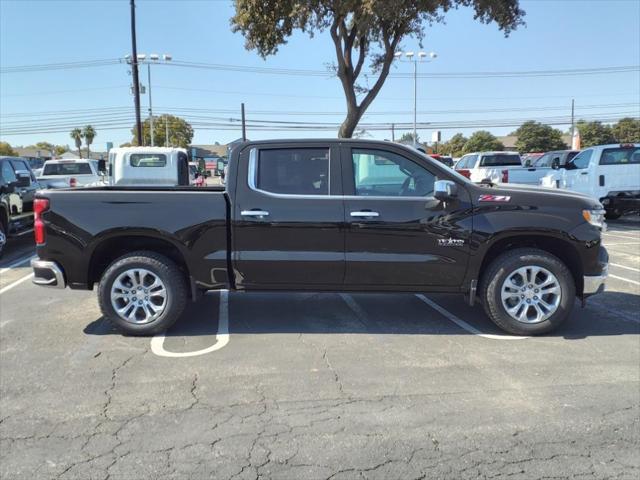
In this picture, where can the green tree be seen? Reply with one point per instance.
(88, 133)
(359, 30)
(594, 133)
(407, 137)
(50, 147)
(5, 149)
(537, 137)
(76, 134)
(455, 145)
(180, 132)
(627, 130)
(482, 141)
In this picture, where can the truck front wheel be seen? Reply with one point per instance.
(528, 291)
(142, 293)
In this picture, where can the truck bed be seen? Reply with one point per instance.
(188, 220)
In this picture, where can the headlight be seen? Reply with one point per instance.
(595, 218)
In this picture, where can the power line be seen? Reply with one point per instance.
(220, 123)
(328, 72)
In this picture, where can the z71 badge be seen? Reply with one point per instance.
(450, 242)
(494, 198)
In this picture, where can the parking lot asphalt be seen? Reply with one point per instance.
(318, 385)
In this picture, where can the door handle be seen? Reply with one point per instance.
(584, 173)
(254, 213)
(363, 214)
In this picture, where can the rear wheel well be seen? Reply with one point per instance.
(114, 248)
(562, 249)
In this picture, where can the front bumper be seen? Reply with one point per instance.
(594, 284)
(47, 274)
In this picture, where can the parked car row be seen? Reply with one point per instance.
(608, 173)
(18, 185)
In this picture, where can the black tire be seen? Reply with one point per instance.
(166, 270)
(612, 214)
(503, 266)
(3, 237)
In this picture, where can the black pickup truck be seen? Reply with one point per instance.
(324, 215)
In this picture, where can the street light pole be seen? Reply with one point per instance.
(415, 101)
(150, 108)
(419, 57)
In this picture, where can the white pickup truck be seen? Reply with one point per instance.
(74, 172)
(488, 166)
(531, 173)
(608, 173)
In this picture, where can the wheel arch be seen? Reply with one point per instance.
(561, 248)
(109, 249)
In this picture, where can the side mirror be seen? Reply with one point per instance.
(555, 163)
(527, 162)
(23, 179)
(444, 190)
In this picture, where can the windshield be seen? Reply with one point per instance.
(500, 160)
(67, 169)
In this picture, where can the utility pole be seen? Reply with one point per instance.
(244, 129)
(573, 127)
(134, 63)
(393, 132)
(150, 109)
(166, 130)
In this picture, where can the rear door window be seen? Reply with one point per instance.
(620, 156)
(67, 169)
(467, 162)
(8, 175)
(293, 171)
(543, 161)
(148, 160)
(500, 160)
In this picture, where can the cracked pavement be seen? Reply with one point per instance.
(309, 388)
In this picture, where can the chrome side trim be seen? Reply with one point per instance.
(57, 281)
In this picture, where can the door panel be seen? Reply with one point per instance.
(287, 229)
(405, 239)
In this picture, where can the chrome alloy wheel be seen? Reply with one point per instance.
(531, 294)
(138, 296)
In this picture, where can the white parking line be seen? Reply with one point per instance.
(15, 284)
(462, 324)
(621, 243)
(627, 237)
(624, 279)
(17, 262)
(222, 337)
(625, 267)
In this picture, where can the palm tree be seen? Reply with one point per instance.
(89, 134)
(76, 134)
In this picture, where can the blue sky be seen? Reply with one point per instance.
(560, 34)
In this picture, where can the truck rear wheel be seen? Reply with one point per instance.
(142, 293)
(528, 291)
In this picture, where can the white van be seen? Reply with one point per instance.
(608, 173)
(148, 166)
